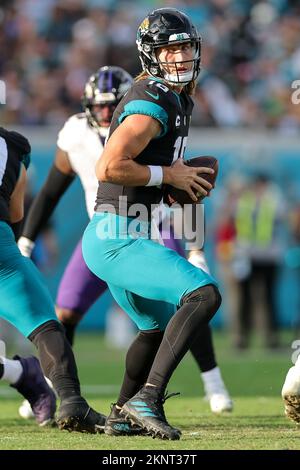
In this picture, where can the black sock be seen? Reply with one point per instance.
(1, 370)
(196, 311)
(202, 349)
(57, 359)
(139, 360)
(70, 331)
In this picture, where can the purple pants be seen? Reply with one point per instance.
(79, 288)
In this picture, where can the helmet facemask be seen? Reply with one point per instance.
(102, 93)
(101, 113)
(180, 72)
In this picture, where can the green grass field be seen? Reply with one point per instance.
(254, 378)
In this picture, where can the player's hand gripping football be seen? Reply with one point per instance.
(187, 178)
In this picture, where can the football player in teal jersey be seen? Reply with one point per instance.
(26, 303)
(144, 151)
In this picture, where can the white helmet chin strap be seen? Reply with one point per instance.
(180, 79)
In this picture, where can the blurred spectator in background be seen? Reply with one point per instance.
(48, 50)
(259, 215)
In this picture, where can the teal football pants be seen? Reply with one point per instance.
(146, 279)
(24, 299)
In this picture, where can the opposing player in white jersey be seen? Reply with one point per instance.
(79, 144)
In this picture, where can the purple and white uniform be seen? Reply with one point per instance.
(79, 287)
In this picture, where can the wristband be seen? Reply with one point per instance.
(156, 175)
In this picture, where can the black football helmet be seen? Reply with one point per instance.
(104, 88)
(163, 27)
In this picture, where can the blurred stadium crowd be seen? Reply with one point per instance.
(251, 55)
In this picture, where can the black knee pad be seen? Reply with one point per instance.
(208, 295)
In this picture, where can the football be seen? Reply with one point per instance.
(180, 196)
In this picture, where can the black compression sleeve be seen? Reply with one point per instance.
(45, 202)
(144, 347)
(57, 358)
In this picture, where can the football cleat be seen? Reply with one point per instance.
(25, 410)
(117, 425)
(76, 415)
(34, 388)
(220, 402)
(145, 409)
(291, 394)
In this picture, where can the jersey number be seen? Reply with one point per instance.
(179, 148)
(159, 85)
